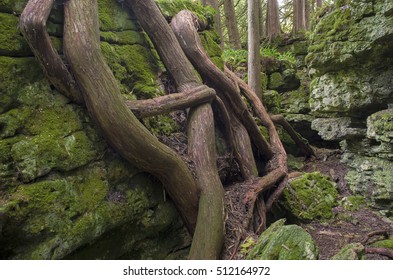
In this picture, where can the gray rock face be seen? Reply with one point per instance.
(351, 60)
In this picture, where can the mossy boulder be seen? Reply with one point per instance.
(372, 178)
(309, 197)
(380, 126)
(284, 242)
(352, 251)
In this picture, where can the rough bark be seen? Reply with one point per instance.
(33, 27)
(209, 232)
(215, 78)
(174, 101)
(231, 22)
(273, 19)
(254, 60)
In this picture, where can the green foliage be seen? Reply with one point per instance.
(247, 245)
(235, 58)
(170, 8)
(161, 125)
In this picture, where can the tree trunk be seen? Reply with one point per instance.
(254, 60)
(319, 3)
(231, 22)
(307, 13)
(298, 16)
(262, 22)
(273, 19)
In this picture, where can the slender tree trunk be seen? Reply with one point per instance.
(254, 61)
(262, 22)
(273, 19)
(319, 3)
(231, 22)
(298, 16)
(307, 13)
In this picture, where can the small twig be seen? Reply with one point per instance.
(382, 232)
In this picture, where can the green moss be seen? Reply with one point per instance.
(311, 196)
(16, 74)
(210, 41)
(12, 42)
(12, 6)
(12, 121)
(353, 251)
(128, 37)
(380, 126)
(281, 242)
(276, 81)
(388, 243)
(114, 17)
(161, 125)
(135, 67)
(37, 156)
(352, 203)
(272, 101)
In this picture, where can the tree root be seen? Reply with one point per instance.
(172, 102)
(33, 27)
(380, 251)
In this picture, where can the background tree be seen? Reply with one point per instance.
(273, 19)
(254, 60)
(231, 24)
(319, 3)
(299, 22)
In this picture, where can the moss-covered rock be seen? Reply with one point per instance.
(114, 17)
(310, 196)
(135, 67)
(372, 178)
(11, 41)
(353, 251)
(380, 126)
(280, 242)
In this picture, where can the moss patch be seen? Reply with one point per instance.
(114, 17)
(12, 42)
(210, 41)
(311, 196)
(353, 251)
(135, 67)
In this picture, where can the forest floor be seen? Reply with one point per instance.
(363, 225)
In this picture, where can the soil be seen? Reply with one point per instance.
(364, 225)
